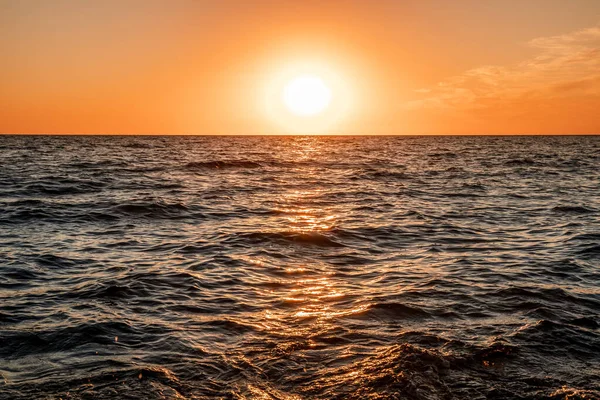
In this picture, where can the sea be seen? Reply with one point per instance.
(299, 267)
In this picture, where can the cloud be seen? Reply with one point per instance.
(562, 66)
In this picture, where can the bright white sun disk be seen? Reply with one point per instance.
(306, 95)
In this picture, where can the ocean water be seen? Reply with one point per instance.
(299, 267)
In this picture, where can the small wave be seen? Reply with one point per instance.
(109, 379)
(394, 309)
(586, 322)
(24, 203)
(569, 393)
(144, 169)
(56, 214)
(440, 155)
(573, 210)
(521, 162)
(54, 261)
(552, 295)
(101, 164)
(566, 339)
(153, 209)
(415, 372)
(25, 216)
(587, 236)
(497, 351)
(17, 344)
(221, 164)
(590, 251)
(57, 189)
(112, 291)
(309, 238)
(463, 194)
(474, 186)
(228, 325)
(383, 174)
(137, 145)
(455, 169)
(20, 274)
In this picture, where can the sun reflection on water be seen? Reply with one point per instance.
(311, 301)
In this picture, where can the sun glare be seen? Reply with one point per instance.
(307, 95)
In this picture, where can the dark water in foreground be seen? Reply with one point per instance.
(299, 267)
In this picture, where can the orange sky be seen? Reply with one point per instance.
(204, 67)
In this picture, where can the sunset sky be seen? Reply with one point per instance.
(219, 67)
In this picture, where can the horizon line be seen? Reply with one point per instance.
(294, 134)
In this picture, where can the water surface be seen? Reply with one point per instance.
(299, 267)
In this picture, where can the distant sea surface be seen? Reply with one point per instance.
(299, 267)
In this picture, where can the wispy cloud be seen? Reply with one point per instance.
(562, 66)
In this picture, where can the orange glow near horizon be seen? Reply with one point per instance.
(413, 67)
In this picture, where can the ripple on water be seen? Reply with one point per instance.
(299, 267)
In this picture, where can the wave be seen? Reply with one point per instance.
(289, 237)
(194, 165)
(155, 209)
(54, 261)
(585, 322)
(573, 210)
(418, 373)
(560, 338)
(18, 344)
(396, 310)
(586, 237)
(57, 189)
(589, 250)
(57, 215)
(97, 165)
(382, 174)
(521, 297)
(521, 162)
(440, 155)
(414, 372)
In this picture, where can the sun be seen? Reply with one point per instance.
(307, 95)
